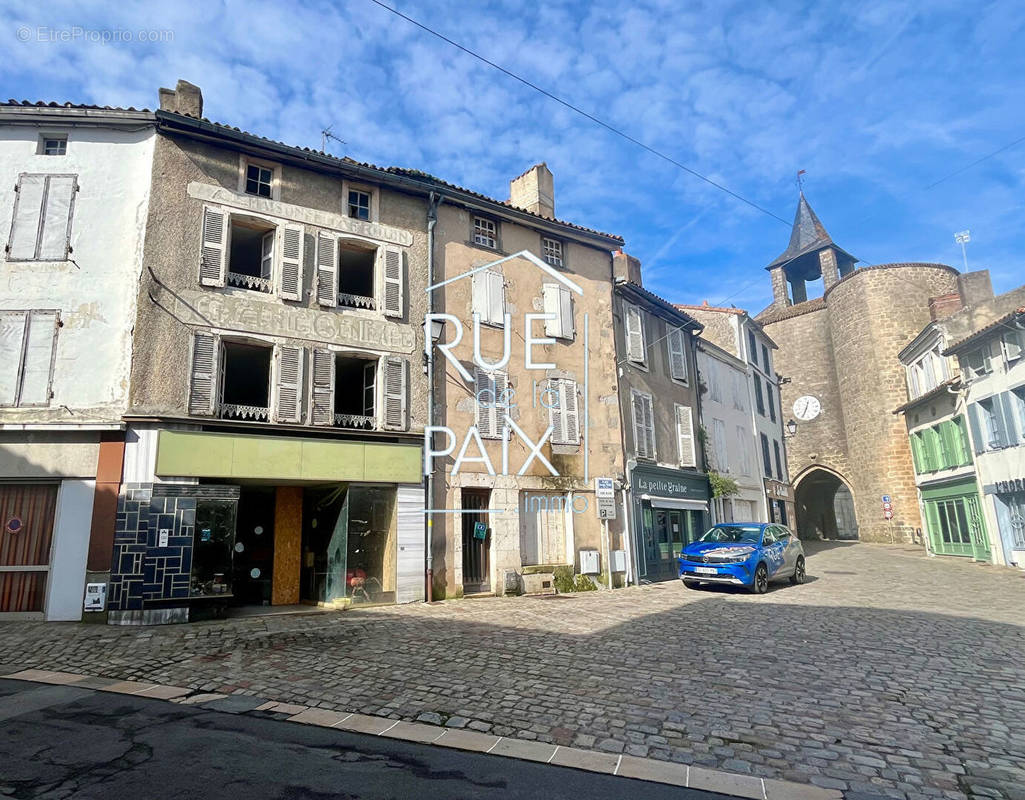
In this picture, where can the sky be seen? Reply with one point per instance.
(879, 102)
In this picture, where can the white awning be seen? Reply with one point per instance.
(672, 502)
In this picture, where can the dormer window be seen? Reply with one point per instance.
(53, 145)
(259, 180)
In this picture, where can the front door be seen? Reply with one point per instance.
(977, 528)
(476, 541)
(26, 532)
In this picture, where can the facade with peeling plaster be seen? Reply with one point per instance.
(74, 198)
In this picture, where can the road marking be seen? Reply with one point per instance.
(495, 744)
(618, 762)
(382, 733)
(556, 750)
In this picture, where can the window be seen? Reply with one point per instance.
(720, 446)
(1018, 401)
(752, 347)
(53, 145)
(927, 373)
(1012, 344)
(643, 424)
(551, 249)
(28, 345)
(635, 348)
(259, 180)
(563, 413)
(245, 389)
(685, 436)
(779, 459)
(737, 387)
(356, 272)
(744, 451)
(1014, 512)
(488, 296)
(953, 521)
(766, 458)
(558, 301)
(491, 396)
(759, 400)
(976, 363)
(677, 344)
(770, 396)
(485, 232)
(359, 204)
(991, 422)
(344, 390)
(765, 360)
(251, 253)
(41, 225)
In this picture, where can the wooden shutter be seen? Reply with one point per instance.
(634, 335)
(28, 208)
(685, 434)
(55, 233)
(916, 453)
(556, 412)
(327, 269)
(570, 416)
(291, 259)
(39, 348)
(485, 387)
(1005, 401)
(1012, 342)
(323, 387)
(395, 411)
(678, 355)
(644, 434)
(206, 356)
(288, 383)
(394, 283)
(978, 440)
(479, 295)
(550, 304)
(12, 336)
(213, 263)
(496, 297)
(410, 565)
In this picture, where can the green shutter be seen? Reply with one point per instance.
(963, 449)
(916, 452)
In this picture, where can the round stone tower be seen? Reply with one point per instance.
(841, 348)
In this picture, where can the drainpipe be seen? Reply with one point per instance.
(432, 220)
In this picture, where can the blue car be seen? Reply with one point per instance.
(749, 554)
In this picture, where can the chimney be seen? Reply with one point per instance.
(534, 191)
(975, 287)
(626, 267)
(186, 98)
(944, 305)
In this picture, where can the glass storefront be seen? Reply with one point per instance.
(954, 522)
(213, 549)
(670, 510)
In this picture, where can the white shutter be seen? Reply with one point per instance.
(685, 436)
(323, 389)
(492, 387)
(550, 301)
(677, 355)
(496, 297)
(28, 208)
(410, 566)
(1012, 345)
(327, 269)
(213, 261)
(39, 351)
(288, 383)
(394, 284)
(570, 416)
(556, 415)
(395, 411)
(291, 260)
(479, 295)
(206, 356)
(634, 335)
(644, 433)
(566, 313)
(55, 234)
(12, 336)
(649, 424)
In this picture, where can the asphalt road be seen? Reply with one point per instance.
(70, 742)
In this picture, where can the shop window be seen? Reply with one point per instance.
(245, 392)
(251, 254)
(213, 549)
(356, 262)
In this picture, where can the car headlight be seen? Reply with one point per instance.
(736, 555)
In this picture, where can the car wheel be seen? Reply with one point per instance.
(799, 572)
(691, 584)
(760, 584)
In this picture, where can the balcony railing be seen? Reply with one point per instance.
(250, 282)
(235, 411)
(356, 301)
(358, 421)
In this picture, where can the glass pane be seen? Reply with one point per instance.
(372, 551)
(213, 548)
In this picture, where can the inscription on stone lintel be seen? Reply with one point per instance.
(339, 327)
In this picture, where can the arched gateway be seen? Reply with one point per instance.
(825, 505)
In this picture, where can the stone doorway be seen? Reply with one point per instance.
(825, 506)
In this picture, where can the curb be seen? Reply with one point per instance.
(645, 769)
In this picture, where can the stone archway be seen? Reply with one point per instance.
(824, 506)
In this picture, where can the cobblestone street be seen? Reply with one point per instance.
(887, 674)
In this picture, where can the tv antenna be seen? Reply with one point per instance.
(324, 136)
(962, 238)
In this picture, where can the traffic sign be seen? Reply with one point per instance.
(886, 498)
(605, 494)
(887, 514)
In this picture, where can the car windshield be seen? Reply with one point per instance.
(748, 534)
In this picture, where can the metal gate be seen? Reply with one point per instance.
(476, 550)
(26, 534)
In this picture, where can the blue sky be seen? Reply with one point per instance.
(876, 100)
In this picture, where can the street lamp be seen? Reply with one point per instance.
(791, 427)
(437, 328)
(962, 238)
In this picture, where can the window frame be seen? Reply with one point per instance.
(245, 162)
(497, 237)
(371, 191)
(52, 137)
(562, 251)
(19, 387)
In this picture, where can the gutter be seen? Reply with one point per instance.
(432, 220)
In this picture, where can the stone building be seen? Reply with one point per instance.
(838, 354)
(667, 491)
(74, 191)
(524, 275)
(277, 405)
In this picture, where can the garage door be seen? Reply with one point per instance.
(26, 533)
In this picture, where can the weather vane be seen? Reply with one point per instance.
(800, 180)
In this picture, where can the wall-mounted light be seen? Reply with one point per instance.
(791, 428)
(437, 329)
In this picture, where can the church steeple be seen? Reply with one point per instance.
(811, 254)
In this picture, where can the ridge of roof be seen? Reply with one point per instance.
(12, 103)
(705, 307)
(984, 331)
(636, 288)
